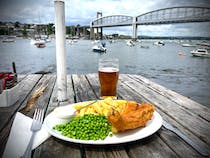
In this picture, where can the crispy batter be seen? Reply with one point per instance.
(132, 116)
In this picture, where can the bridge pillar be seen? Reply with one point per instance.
(92, 34)
(134, 37)
(99, 33)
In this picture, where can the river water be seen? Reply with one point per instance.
(187, 75)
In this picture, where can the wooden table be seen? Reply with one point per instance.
(190, 117)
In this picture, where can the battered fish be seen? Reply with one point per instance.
(132, 116)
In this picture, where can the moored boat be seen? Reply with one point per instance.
(99, 48)
(130, 43)
(200, 52)
(36, 41)
(40, 45)
(72, 41)
(159, 43)
(188, 45)
(9, 39)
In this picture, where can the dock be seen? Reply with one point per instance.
(186, 115)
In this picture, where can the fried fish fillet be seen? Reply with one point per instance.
(132, 116)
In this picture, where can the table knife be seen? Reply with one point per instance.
(197, 147)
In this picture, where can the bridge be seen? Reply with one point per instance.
(161, 16)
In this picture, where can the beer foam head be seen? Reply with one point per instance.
(108, 69)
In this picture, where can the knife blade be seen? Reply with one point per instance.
(196, 146)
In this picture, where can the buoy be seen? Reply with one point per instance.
(180, 53)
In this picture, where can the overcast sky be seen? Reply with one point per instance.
(83, 11)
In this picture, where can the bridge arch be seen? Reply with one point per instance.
(175, 15)
(107, 21)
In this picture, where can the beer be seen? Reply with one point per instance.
(108, 77)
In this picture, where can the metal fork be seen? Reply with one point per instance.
(35, 126)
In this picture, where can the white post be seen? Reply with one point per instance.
(60, 32)
(134, 29)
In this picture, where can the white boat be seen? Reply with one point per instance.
(200, 52)
(36, 41)
(130, 43)
(159, 43)
(9, 39)
(188, 45)
(99, 48)
(40, 45)
(72, 41)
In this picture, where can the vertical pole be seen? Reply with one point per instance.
(92, 37)
(134, 29)
(101, 34)
(84, 30)
(60, 31)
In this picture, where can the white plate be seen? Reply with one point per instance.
(151, 127)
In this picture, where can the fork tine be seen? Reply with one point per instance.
(41, 115)
(35, 114)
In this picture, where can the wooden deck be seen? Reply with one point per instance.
(190, 117)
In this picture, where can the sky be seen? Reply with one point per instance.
(82, 12)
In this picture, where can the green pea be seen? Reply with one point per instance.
(87, 127)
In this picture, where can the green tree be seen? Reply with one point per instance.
(68, 30)
(50, 29)
(3, 31)
(17, 24)
(73, 30)
(24, 32)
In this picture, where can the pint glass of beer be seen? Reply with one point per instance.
(108, 72)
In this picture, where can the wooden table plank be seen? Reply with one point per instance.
(106, 152)
(198, 126)
(94, 82)
(43, 100)
(83, 89)
(181, 100)
(21, 77)
(151, 146)
(56, 148)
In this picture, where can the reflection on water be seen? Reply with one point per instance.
(185, 74)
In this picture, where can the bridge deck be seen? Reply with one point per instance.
(161, 16)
